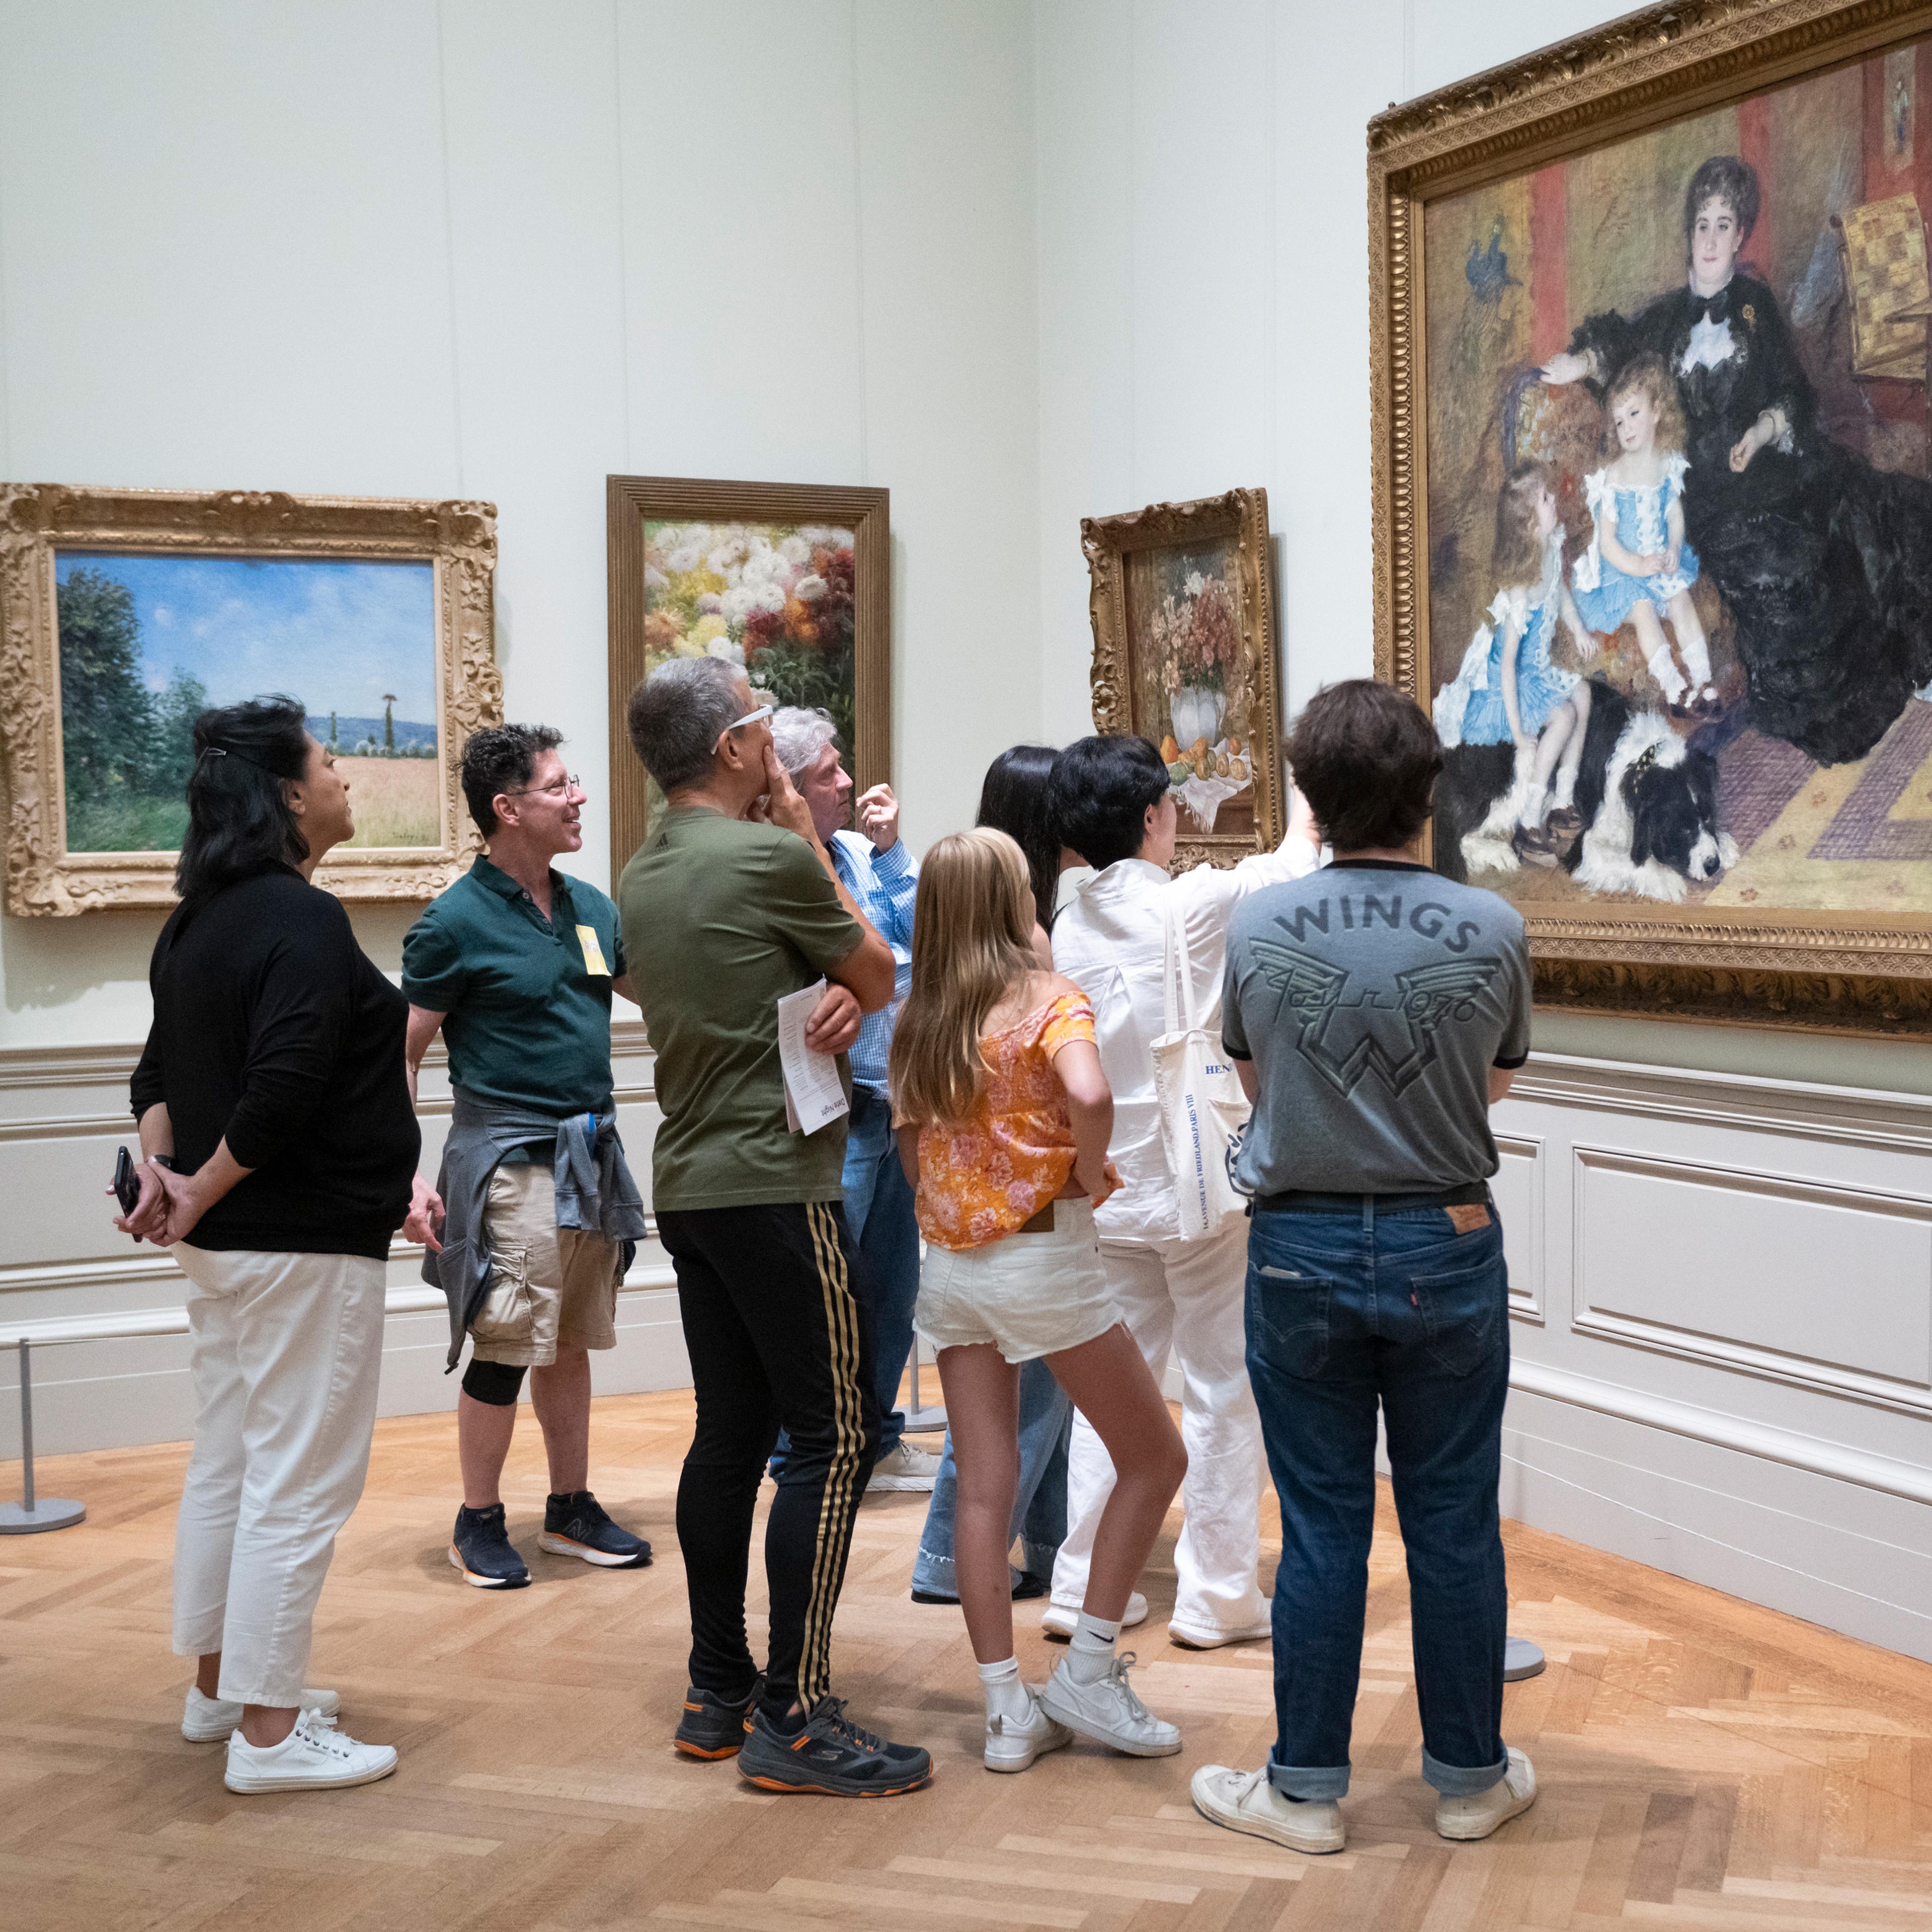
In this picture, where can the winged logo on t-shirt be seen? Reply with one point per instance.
(1342, 1036)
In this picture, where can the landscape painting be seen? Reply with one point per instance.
(147, 641)
(1678, 526)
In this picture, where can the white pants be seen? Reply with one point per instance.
(1188, 1295)
(287, 1353)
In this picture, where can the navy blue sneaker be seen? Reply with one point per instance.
(576, 1526)
(713, 1726)
(830, 1755)
(480, 1547)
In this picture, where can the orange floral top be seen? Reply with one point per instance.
(981, 1177)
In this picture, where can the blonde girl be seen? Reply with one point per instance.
(1003, 1116)
(1509, 691)
(1638, 569)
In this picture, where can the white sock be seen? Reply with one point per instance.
(1664, 668)
(1565, 793)
(1532, 812)
(1006, 1696)
(1090, 1655)
(1697, 656)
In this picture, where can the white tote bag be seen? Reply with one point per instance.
(1203, 1110)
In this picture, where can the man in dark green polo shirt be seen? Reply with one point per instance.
(516, 964)
(731, 904)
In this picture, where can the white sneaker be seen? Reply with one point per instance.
(1195, 1640)
(1477, 1817)
(904, 1467)
(1057, 1620)
(312, 1757)
(1521, 1659)
(1244, 1800)
(207, 1720)
(1013, 1747)
(1108, 1711)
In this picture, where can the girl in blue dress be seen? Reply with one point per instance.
(1508, 691)
(1638, 569)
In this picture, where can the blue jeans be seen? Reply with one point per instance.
(1346, 1309)
(879, 1212)
(1039, 1503)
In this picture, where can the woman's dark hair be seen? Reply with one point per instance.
(1013, 800)
(501, 758)
(1734, 182)
(239, 820)
(1367, 760)
(1098, 796)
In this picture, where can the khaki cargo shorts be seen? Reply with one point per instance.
(549, 1287)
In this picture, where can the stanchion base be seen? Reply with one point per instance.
(48, 1512)
(925, 1421)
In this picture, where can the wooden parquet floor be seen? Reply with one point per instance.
(1705, 1765)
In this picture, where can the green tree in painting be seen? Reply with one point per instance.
(388, 724)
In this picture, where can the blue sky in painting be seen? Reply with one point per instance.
(335, 635)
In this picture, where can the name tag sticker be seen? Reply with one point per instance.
(593, 953)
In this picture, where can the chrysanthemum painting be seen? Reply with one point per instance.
(777, 599)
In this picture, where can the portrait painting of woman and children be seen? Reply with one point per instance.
(1679, 549)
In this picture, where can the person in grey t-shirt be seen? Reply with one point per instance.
(1374, 1011)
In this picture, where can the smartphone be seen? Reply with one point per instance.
(127, 1189)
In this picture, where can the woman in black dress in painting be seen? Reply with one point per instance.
(1825, 562)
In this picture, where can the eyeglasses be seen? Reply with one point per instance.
(763, 712)
(557, 786)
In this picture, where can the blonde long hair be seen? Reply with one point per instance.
(972, 940)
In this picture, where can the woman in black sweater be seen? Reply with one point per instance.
(279, 1146)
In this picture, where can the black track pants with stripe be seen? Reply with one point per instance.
(779, 1328)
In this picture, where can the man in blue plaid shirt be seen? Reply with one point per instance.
(884, 878)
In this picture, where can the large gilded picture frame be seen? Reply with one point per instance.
(791, 581)
(1652, 462)
(123, 613)
(1184, 656)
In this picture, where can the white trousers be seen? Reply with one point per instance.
(287, 1354)
(1187, 1295)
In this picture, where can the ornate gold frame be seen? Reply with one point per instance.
(1648, 68)
(43, 877)
(630, 501)
(1242, 514)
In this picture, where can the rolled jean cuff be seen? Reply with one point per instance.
(1039, 1557)
(1460, 1780)
(934, 1573)
(1322, 1785)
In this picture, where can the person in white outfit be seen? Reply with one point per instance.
(1112, 802)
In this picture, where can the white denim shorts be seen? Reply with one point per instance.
(1029, 1295)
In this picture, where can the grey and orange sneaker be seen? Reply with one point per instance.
(713, 1726)
(577, 1525)
(830, 1755)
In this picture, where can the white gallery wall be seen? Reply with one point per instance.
(1021, 261)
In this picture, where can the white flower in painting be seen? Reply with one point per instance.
(723, 647)
(710, 602)
(823, 535)
(808, 589)
(686, 557)
(771, 597)
(1196, 584)
(727, 556)
(738, 603)
(795, 550)
(654, 578)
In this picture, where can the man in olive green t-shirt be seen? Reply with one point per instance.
(730, 905)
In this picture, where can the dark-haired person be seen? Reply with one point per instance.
(278, 1144)
(1111, 802)
(1375, 1010)
(537, 1212)
(1825, 561)
(732, 904)
(1012, 800)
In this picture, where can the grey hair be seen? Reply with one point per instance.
(677, 714)
(798, 737)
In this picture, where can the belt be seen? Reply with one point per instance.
(1296, 1201)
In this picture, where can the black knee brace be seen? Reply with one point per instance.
(497, 1383)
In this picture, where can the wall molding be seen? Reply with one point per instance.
(1527, 1305)
(1813, 1454)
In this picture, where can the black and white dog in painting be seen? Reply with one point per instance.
(1649, 803)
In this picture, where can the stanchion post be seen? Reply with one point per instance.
(31, 1514)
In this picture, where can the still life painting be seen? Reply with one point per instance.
(1184, 656)
(125, 613)
(790, 582)
(148, 642)
(1680, 525)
